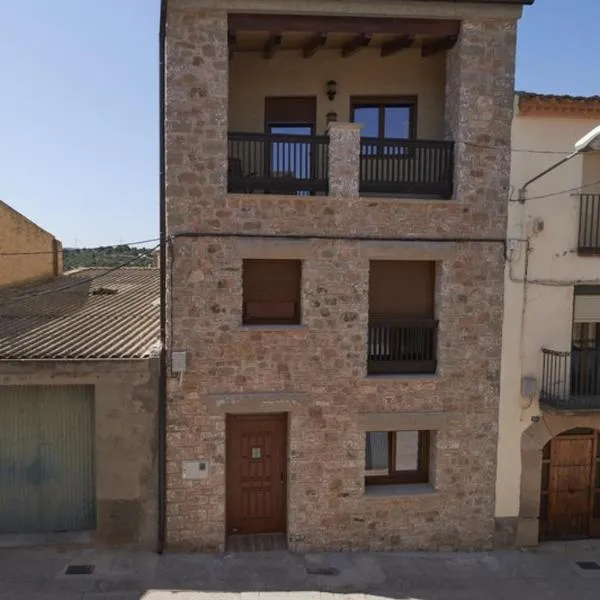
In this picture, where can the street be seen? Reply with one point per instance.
(553, 571)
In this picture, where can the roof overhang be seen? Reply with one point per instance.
(557, 105)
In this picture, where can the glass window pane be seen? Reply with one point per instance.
(377, 453)
(407, 450)
(397, 122)
(368, 117)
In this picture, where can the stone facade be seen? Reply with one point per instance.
(316, 372)
(125, 413)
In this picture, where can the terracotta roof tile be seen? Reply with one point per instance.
(85, 314)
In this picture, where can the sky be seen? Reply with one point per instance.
(79, 105)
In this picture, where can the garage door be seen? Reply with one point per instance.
(46, 459)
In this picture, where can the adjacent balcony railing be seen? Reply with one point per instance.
(589, 224)
(268, 163)
(418, 167)
(401, 346)
(571, 380)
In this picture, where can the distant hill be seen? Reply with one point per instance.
(106, 256)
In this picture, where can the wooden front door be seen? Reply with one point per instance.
(572, 462)
(256, 473)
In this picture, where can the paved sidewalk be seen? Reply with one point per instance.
(550, 572)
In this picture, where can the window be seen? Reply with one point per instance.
(402, 329)
(271, 292)
(385, 119)
(394, 457)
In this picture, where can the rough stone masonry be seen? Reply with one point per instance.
(316, 372)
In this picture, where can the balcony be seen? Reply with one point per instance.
(401, 167)
(268, 163)
(571, 380)
(274, 163)
(589, 224)
(402, 346)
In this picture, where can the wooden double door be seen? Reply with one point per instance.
(570, 500)
(256, 474)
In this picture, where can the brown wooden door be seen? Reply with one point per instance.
(256, 473)
(572, 464)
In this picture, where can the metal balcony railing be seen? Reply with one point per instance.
(402, 346)
(571, 380)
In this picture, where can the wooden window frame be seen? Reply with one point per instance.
(382, 102)
(248, 320)
(419, 475)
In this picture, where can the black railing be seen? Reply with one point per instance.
(589, 224)
(390, 166)
(268, 163)
(401, 346)
(571, 380)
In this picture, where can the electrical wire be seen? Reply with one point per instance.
(77, 249)
(77, 283)
(575, 189)
(520, 150)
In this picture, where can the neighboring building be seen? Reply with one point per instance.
(548, 470)
(78, 407)
(27, 252)
(336, 191)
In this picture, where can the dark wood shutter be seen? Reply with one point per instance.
(401, 289)
(271, 290)
(291, 111)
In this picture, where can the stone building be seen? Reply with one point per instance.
(335, 199)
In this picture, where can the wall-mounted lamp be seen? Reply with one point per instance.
(331, 89)
(331, 117)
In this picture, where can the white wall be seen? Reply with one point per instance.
(546, 321)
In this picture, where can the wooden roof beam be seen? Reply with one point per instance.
(311, 23)
(362, 40)
(271, 45)
(314, 43)
(438, 45)
(396, 45)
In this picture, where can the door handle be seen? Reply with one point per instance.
(282, 480)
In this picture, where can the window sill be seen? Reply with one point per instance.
(401, 489)
(403, 376)
(271, 327)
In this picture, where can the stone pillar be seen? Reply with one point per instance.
(344, 159)
(479, 106)
(196, 105)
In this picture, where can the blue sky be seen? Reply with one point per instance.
(79, 105)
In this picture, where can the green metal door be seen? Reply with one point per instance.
(46, 459)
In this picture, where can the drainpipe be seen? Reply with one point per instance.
(162, 386)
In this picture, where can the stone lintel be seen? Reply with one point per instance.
(255, 402)
(406, 421)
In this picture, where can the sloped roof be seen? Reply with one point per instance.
(558, 104)
(85, 314)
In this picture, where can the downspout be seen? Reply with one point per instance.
(162, 386)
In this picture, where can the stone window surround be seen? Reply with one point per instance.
(307, 249)
(406, 421)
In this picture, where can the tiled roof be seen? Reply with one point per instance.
(85, 314)
(558, 104)
(557, 97)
